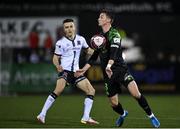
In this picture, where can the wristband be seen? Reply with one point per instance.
(109, 65)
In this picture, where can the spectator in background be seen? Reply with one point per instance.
(34, 57)
(20, 58)
(48, 41)
(33, 39)
(60, 32)
(34, 44)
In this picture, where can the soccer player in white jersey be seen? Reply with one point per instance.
(66, 60)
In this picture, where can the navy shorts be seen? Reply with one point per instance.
(69, 77)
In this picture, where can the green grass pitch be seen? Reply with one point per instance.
(66, 112)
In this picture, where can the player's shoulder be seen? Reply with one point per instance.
(80, 37)
(58, 42)
(113, 32)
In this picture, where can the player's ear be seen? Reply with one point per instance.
(112, 21)
(109, 19)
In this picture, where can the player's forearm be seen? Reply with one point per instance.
(56, 60)
(114, 52)
(86, 67)
(93, 57)
(89, 51)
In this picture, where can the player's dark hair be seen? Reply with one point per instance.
(109, 13)
(68, 20)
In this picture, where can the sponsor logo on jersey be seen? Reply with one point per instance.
(115, 45)
(78, 42)
(116, 40)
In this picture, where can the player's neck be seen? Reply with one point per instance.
(71, 37)
(106, 28)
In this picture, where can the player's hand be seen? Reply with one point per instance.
(59, 68)
(79, 72)
(109, 72)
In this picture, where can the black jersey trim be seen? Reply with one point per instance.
(57, 54)
(70, 39)
(72, 67)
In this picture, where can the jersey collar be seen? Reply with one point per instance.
(70, 39)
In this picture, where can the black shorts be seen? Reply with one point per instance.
(121, 76)
(69, 77)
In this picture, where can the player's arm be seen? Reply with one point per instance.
(89, 51)
(56, 59)
(91, 60)
(114, 48)
(113, 54)
(57, 56)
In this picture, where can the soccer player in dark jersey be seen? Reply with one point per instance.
(115, 70)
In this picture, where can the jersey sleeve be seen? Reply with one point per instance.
(85, 45)
(115, 40)
(58, 49)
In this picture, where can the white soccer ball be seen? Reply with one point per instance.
(98, 41)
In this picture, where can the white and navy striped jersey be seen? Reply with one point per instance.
(70, 50)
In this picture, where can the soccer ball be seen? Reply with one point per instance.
(98, 41)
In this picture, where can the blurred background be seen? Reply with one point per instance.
(29, 31)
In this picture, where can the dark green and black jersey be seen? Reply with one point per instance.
(112, 50)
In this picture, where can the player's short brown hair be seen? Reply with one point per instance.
(68, 20)
(109, 13)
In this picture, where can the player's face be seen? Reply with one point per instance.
(103, 19)
(69, 29)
